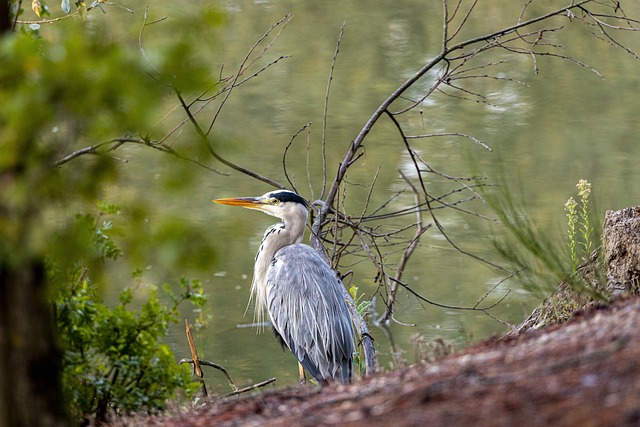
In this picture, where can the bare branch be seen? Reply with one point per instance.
(404, 259)
(484, 309)
(284, 20)
(458, 134)
(115, 143)
(324, 113)
(215, 155)
(249, 388)
(414, 159)
(286, 150)
(463, 21)
(145, 23)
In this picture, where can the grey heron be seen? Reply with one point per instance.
(299, 290)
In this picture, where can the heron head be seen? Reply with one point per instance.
(278, 203)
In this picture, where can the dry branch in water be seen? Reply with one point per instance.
(457, 62)
(196, 363)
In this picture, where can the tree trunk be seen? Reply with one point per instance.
(30, 387)
(5, 20)
(30, 360)
(621, 242)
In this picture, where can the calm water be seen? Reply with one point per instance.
(550, 129)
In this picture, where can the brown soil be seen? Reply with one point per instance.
(585, 372)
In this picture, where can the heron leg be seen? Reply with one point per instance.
(303, 377)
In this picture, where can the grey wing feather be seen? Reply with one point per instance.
(309, 312)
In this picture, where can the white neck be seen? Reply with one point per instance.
(277, 236)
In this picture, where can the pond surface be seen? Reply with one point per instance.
(549, 129)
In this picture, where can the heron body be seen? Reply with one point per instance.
(299, 290)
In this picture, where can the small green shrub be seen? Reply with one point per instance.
(362, 306)
(541, 260)
(579, 229)
(568, 274)
(113, 358)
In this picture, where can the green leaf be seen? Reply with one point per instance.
(126, 296)
(108, 208)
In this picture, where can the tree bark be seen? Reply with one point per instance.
(621, 242)
(30, 385)
(5, 19)
(30, 359)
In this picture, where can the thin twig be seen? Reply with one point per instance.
(414, 160)
(286, 150)
(15, 18)
(453, 307)
(463, 21)
(249, 388)
(194, 352)
(242, 68)
(406, 254)
(140, 34)
(195, 360)
(444, 134)
(326, 108)
(213, 365)
(215, 155)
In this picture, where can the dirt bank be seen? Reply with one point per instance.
(584, 372)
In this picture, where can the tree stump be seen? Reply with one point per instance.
(620, 257)
(621, 243)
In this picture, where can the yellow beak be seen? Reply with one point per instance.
(245, 202)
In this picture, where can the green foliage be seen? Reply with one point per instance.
(362, 306)
(578, 214)
(113, 357)
(572, 219)
(56, 98)
(538, 257)
(66, 87)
